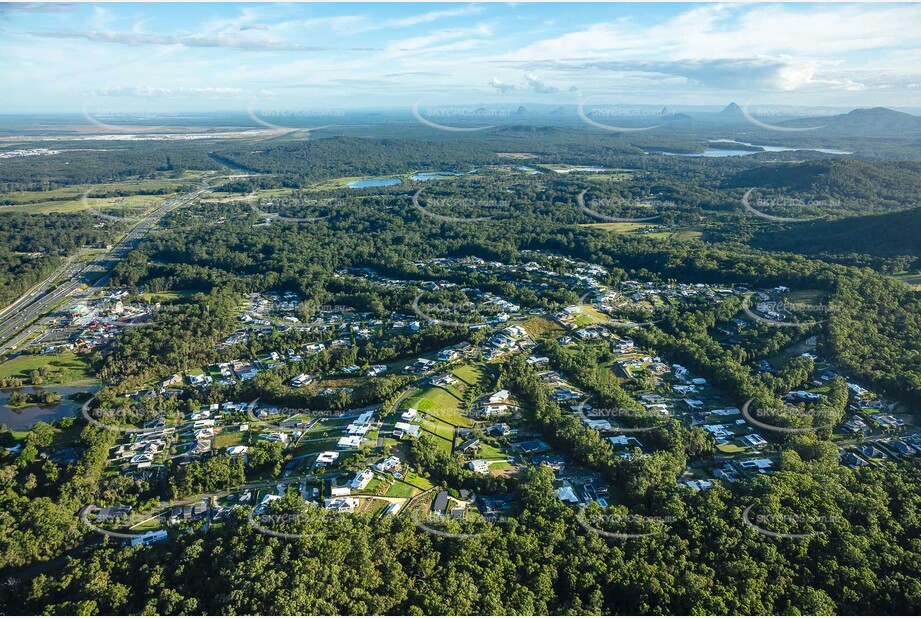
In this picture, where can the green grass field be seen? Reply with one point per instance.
(167, 296)
(435, 399)
(912, 280)
(401, 490)
(67, 368)
(539, 326)
(469, 374)
(417, 481)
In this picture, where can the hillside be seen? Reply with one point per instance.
(861, 187)
(887, 235)
(875, 121)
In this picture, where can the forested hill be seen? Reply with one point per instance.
(872, 121)
(349, 156)
(861, 186)
(888, 235)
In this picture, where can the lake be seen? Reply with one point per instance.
(374, 182)
(22, 419)
(734, 152)
(423, 176)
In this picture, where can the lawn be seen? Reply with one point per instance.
(442, 443)
(433, 399)
(488, 451)
(417, 481)
(730, 448)
(167, 296)
(67, 367)
(538, 326)
(439, 428)
(469, 374)
(226, 439)
(114, 205)
(912, 280)
(401, 490)
(806, 297)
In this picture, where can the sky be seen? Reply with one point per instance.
(324, 59)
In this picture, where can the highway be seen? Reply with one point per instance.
(20, 321)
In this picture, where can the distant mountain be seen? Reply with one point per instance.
(732, 111)
(521, 111)
(876, 121)
(562, 110)
(527, 128)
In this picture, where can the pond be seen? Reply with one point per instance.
(374, 182)
(22, 419)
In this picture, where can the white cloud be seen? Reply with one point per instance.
(537, 84)
(501, 86)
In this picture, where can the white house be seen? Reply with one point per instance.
(361, 480)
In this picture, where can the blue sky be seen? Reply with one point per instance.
(169, 58)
